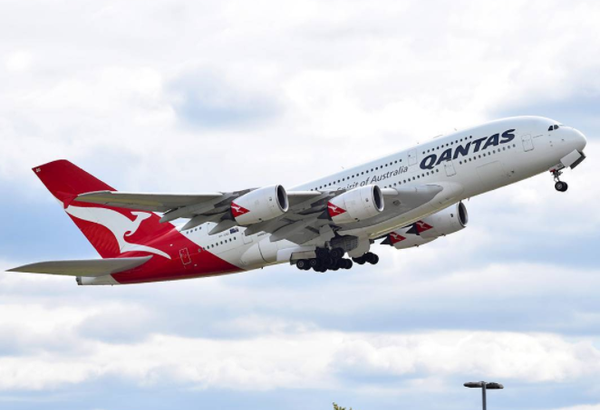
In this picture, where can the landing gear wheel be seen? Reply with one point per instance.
(328, 261)
(313, 263)
(561, 186)
(347, 264)
(360, 260)
(302, 264)
(371, 258)
(321, 252)
(337, 253)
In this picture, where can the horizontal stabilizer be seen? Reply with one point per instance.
(89, 267)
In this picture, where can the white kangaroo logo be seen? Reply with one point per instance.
(396, 236)
(335, 209)
(118, 224)
(422, 225)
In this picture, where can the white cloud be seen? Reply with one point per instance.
(317, 359)
(19, 61)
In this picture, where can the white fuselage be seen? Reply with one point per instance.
(466, 163)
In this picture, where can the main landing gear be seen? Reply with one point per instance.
(333, 260)
(559, 185)
(368, 257)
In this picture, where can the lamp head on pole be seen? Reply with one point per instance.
(497, 386)
(479, 385)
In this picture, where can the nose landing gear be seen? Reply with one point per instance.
(559, 185)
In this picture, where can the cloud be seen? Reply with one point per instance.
(202, 98)
(314, 359)
(19, 61)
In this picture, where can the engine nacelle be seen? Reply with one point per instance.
(260, 205)
(447, 221)
(356, 205)
(400, 239)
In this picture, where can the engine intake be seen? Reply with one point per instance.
(356, 205)
(260, 205)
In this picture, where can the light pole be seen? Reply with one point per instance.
(484, 386)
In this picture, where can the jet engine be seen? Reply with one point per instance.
(260, 205)
(356, 205)
(447, 221)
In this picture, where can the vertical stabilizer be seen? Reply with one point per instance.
(113, 231)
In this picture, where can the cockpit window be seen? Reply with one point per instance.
(553, 127)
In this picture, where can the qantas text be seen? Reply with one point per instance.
(432, 160)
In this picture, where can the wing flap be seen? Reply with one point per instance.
(86, 267)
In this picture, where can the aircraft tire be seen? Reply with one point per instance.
(337, 253)
(360, 260)
(561, 186)
(372, 258)
(328, 262)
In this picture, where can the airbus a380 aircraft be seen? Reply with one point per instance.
(405, 199)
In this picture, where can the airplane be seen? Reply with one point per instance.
(405, 199)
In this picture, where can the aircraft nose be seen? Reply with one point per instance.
(579, 139)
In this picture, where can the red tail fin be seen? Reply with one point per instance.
(66, 180)
(112, 231)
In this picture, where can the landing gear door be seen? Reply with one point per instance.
(412, 157)
(527, 143)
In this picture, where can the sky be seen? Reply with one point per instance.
(174, 96)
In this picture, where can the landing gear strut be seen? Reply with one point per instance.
(559, 185)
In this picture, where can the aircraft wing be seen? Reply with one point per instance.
(199, 208)
(89, 267)
(305, 219)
